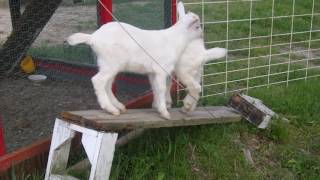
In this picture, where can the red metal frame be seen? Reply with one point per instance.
(2, 144)
(104, 16)
(41, 146)
(173, 11)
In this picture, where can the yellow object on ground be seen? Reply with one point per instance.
(27, 65)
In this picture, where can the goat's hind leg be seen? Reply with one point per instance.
(168, 93)
(112, 97)
(100, 81)
(194, 88)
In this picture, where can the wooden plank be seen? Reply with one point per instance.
(149, 118)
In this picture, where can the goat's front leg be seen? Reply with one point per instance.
(168, 93)
(194, 88)
(152, 83)
(112, 97)
(159, 92)
(100, 81)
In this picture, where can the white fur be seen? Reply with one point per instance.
(189, 71)
(117, 52)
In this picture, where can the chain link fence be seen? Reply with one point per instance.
(29, 109)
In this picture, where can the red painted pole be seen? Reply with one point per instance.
(2, 145)
(103, 15)
(173, 11)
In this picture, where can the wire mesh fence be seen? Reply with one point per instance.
(269, 42)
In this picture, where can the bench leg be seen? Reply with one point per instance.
(60, 148)
(100, 150)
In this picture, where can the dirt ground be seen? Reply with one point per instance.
(29, 109)
(66, 20)
(5, 27)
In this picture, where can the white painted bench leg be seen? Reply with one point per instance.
(60, 147)
(100, 152)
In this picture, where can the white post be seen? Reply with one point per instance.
(103, 156)
(60, 147)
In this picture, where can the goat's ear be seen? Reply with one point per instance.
(180, 9)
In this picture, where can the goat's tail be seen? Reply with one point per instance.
(215, 53)
(78, 38)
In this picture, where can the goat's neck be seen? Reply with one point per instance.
(178, 35)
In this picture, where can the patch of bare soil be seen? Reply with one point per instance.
(301, 53)
(29, 109)
(68, 20)
(5, 24)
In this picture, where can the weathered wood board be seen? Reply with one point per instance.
(252, 109)
(150, 118)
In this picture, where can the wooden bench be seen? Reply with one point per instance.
(100, 133)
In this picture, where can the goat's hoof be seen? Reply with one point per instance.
(123, 110)
(185, 110)
(187, 107)
(166, 116)
(116, 113)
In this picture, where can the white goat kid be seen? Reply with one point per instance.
(117, 52)
(189, 69)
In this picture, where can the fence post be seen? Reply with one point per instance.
(173, 11)
(103, 15)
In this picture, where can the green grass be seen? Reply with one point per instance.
(288, 149)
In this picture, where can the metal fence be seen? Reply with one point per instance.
(269, 42)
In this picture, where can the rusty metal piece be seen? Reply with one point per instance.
(252, 109)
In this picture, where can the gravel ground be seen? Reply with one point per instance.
(65, 21)
(29, 109)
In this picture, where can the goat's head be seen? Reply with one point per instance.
(191, 21)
